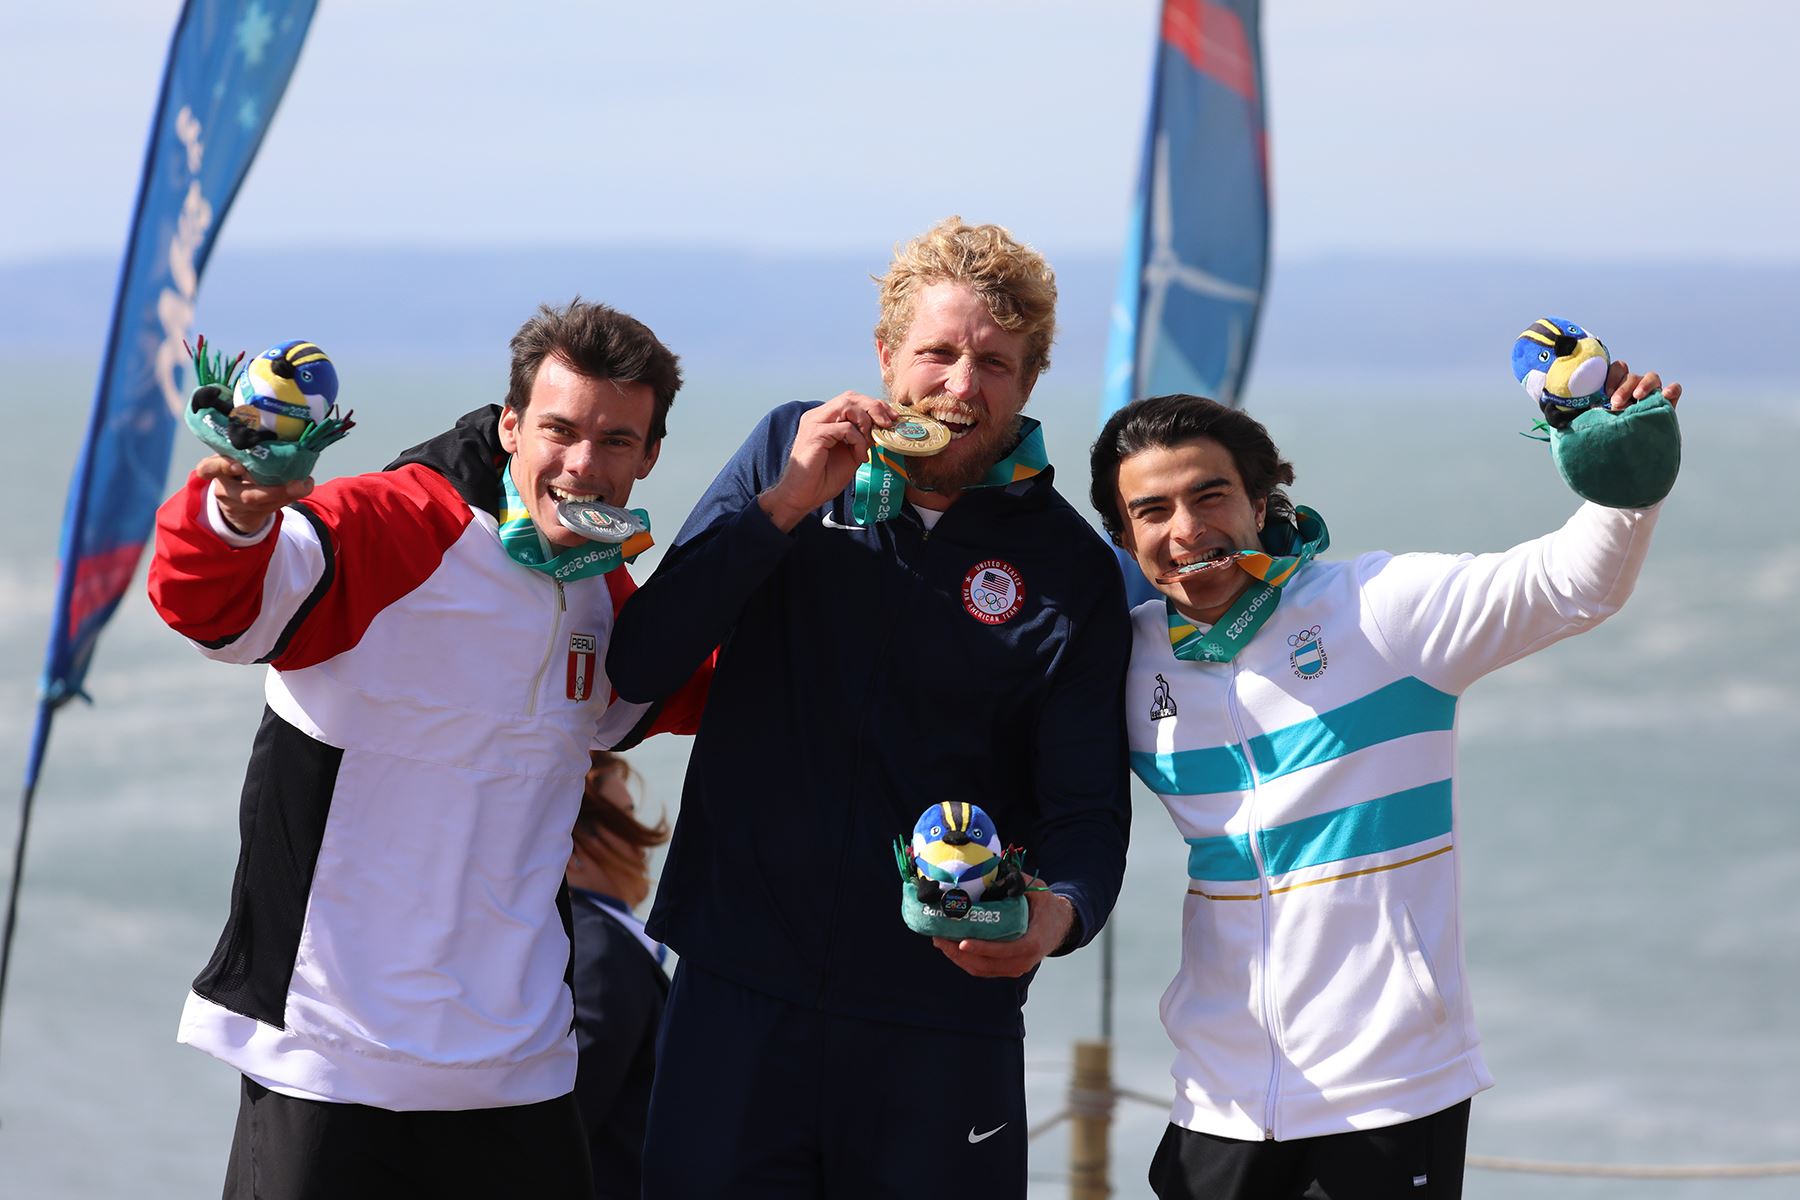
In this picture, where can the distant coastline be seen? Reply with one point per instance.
(731, 309)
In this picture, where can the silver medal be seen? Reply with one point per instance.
(599, 522)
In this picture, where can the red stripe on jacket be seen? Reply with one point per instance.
(386, 534)
(389, 532)
(205, 589)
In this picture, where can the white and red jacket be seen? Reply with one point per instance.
(1322, 985)
(394, 937)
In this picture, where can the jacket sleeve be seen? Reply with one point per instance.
(233, 597)
(1082, 779)
(724, 553)
(306, 588)
(626, 723)
(1452, 619)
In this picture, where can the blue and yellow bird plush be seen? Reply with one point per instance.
(955, 846)
(1563, 367)
(285, 389)
(275, 416)
(957, 879)
(1624, 459)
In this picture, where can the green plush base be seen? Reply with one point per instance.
(269, 463)
(988, 921)
(1623, 459)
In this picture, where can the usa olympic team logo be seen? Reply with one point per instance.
(992, 591)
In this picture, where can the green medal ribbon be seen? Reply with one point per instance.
(526, 546)
(1298, 545)
(881, 482)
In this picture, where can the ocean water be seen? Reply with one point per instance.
(1631, 834)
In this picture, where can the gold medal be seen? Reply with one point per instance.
(914, 434)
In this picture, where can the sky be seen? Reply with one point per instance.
(1611, 130)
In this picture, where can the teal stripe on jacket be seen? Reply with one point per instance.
(1398, 710)
(1372, 827)
(1226, 859)
(1404, 707)
(1193, 772)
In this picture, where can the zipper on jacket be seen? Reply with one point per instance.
(537, 681)
(1262, 907)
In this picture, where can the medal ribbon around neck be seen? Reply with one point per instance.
(526, 546)
(1298, 545)
(881, 482)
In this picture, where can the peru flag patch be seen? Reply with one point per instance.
(583, 648)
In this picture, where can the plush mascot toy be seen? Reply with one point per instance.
(275, 416)
(955, 879)
(1626, 459)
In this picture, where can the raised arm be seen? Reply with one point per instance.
(1453, 619)
(230, 571)
(797, 459)
(280, 593)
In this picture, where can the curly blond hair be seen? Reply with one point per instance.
(1012, 279)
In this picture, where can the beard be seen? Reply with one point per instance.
(964, 462)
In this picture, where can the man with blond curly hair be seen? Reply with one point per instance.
(893, 633)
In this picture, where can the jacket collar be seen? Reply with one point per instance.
(468, 454)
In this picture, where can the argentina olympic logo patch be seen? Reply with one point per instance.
(1308, 654)
(992, 591)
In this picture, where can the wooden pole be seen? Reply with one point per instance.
(1090, 1121)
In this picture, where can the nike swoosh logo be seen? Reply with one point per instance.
(829, 522)
(982, 1137)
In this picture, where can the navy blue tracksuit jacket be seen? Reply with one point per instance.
(864, 675)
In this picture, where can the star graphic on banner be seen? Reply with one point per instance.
(1164, 269)
(254, 33)
(247, 114)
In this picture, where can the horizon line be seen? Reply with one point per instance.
(836, 254)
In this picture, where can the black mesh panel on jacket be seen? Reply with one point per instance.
(281, 822)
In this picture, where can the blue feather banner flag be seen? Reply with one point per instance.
(1197, 249)
(229, 63)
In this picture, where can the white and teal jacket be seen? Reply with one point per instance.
(1322, 984)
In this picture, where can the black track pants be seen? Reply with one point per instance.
(290, 1149)
(1415, 1160)
(759, 1099)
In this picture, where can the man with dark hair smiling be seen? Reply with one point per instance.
(1297, 718)
(391, 979)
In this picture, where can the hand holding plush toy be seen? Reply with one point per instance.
(275, 417)
(1621, 458)
(957, 881)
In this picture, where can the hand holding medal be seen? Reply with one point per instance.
(882, 481)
